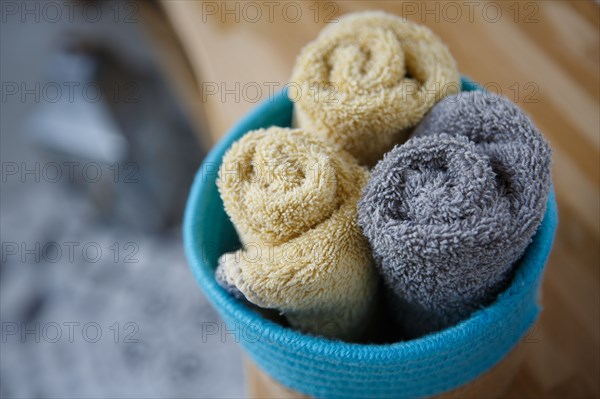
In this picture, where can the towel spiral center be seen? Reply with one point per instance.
(441, 184)
(288, 185)
(373, 62)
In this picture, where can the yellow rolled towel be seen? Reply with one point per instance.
(293, 200)
(366, 80)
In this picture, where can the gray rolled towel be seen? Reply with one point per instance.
(449, 212)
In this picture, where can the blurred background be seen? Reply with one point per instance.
(107, 111)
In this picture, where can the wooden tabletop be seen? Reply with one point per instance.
(543, 55)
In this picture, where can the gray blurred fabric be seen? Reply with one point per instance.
(150, 331)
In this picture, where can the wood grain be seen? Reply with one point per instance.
(543, 55)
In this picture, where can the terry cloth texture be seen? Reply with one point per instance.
(333, 369)
(366, 80)
(449, 212)
(292, 198)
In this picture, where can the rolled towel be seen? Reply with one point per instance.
(518, 153)
(292, 198)
(366, 80)
(450, 212)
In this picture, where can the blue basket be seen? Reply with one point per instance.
(326, 368)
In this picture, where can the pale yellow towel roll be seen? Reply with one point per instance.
(292, 198)
(366, 80)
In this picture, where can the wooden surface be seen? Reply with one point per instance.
(543, 55)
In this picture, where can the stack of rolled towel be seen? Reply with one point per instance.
(458, 190)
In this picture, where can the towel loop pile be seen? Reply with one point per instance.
(366, 80)
(450, 212)
(292, 198)
(458, 188)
